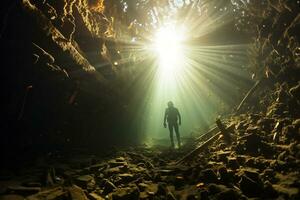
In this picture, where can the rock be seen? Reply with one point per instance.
(114, 163)
(249, 187)
(295, 91)
(161, 188)
(250, 162)
(98, 167)
(69, 173)
(152, 189)
(268, 174)
(120, 159)
(290, 132)
(229, 194)
(179, 182)
(24, 191)
(215, 188)
(253, 175)
(223, 155)
(126, 177)
(94, 196)
(296, 124)
(269, 191)
(226, 176)
(208, 176)
(142, 186)
(241, 159)
(170, 196)
(252, 143)
(143, 195)
(126, 193)
(204, 195)
(165, 171)
(192, 197)
(76, 193)
(51, 194)
(108, 187)
(111, 171)
(282, 156)
(85, 181)
(253, 130)
(287, 192)
(233, 163)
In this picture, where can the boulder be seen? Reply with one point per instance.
(25, 191)
(127, 193)
(50, 194)
(76, 193)
(108, 187)
(85, 181)
(249, 187)
(208, 176)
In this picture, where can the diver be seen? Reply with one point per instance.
(172, 116)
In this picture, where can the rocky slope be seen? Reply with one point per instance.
(261, 161)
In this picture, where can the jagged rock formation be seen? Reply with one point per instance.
(58, 56)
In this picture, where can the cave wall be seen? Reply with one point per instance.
(274, 52)
(56, 77)
(57, 60)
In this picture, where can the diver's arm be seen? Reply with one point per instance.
(165, 118)
(179, 117)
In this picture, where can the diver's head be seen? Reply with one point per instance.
(170, 104)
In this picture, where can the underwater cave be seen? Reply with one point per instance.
(150, 99)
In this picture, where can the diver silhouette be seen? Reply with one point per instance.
(172, 116)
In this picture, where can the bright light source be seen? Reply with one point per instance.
(168, 46)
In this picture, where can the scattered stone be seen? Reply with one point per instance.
(76, 193)
(223, 155)
(111, 171)
(51, 194)
(249, 187)
(126, 193)
(170, 196)
(208, 176)
(24, 191)
(98, 167)
(269, 191)
(215, 188)
(226, 176)
(143, 195)
(126, 177)
(233, 163)
(228, 194)
(94, 196)
(152, 189)
(108, 187)
(179, 182)
(162, 188)
(115, 163)
(287, 192)
(85, 181)
(142, 186)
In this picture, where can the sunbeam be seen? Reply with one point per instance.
(202, 78)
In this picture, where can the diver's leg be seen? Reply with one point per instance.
(171, 134)
(177, 134)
